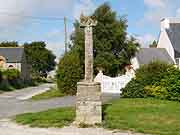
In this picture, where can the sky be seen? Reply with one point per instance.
(143, 19)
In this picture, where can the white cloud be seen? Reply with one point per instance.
(178, 12)
(56, 47)
(146, 39)
(84, 6)
(12, 27)
(156, 10)
(155, 3)
(55, 33)
(31, 7)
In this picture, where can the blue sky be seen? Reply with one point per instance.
(143, 18)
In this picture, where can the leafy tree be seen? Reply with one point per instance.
(154, 44)
(69, 72)
(9, 44)
(112, 49)
(41, 59)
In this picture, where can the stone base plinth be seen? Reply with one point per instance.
(88, 104)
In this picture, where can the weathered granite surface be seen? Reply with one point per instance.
(88, 104)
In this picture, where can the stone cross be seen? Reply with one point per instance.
(88, 97)
(88, 23)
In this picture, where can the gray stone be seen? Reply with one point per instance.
(88, 104)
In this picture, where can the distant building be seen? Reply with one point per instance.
(14, 57)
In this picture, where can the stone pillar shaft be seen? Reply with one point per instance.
(88, 54)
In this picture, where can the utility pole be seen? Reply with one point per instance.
(65, 33)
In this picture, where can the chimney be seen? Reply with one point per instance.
(165, 24)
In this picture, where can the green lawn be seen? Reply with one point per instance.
(51, 118)
(144, 115)
(149, 116)
(52, 93)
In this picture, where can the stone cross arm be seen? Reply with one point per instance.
(87, 21)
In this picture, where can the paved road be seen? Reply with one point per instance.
(12, 104)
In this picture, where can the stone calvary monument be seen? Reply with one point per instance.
(88, 104)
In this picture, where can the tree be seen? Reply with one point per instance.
(9, 44)
(41, 59)
(154, 44)
(112, 48)
(69, 72)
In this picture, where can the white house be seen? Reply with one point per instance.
(169, 38)
(146, 55)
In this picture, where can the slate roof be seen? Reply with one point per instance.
(147, 55)
(12, 54)
(174, 36)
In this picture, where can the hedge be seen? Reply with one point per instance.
(157, 79)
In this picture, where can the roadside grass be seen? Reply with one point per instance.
(51, 118)
(52, 93)
(150, 116)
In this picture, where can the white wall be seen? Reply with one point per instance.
(15, 65)
(112, 85)
(164, 42)
(135, 63)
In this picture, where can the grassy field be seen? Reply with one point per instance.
(52, 93)
(51, 118)
(149, 116)
(144, 115)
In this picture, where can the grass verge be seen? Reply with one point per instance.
(51, 118)
(148, 116)
(144, 115)
(52, 93)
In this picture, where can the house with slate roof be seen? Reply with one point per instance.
(14, 57)
(147, 55)
(170, 38)
(168, 48)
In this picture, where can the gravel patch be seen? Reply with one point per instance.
(9, 128)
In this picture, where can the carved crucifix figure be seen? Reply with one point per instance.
(88, 23)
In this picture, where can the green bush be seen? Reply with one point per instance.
(156, 79)
(11, 74)
(69, 73)
(156, 91)
(134, 89)
(146, 75)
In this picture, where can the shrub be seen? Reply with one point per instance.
(146, 75)
(134, 89)
(156, 79)
(69, 73)
(10, 79)
(156, 91)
